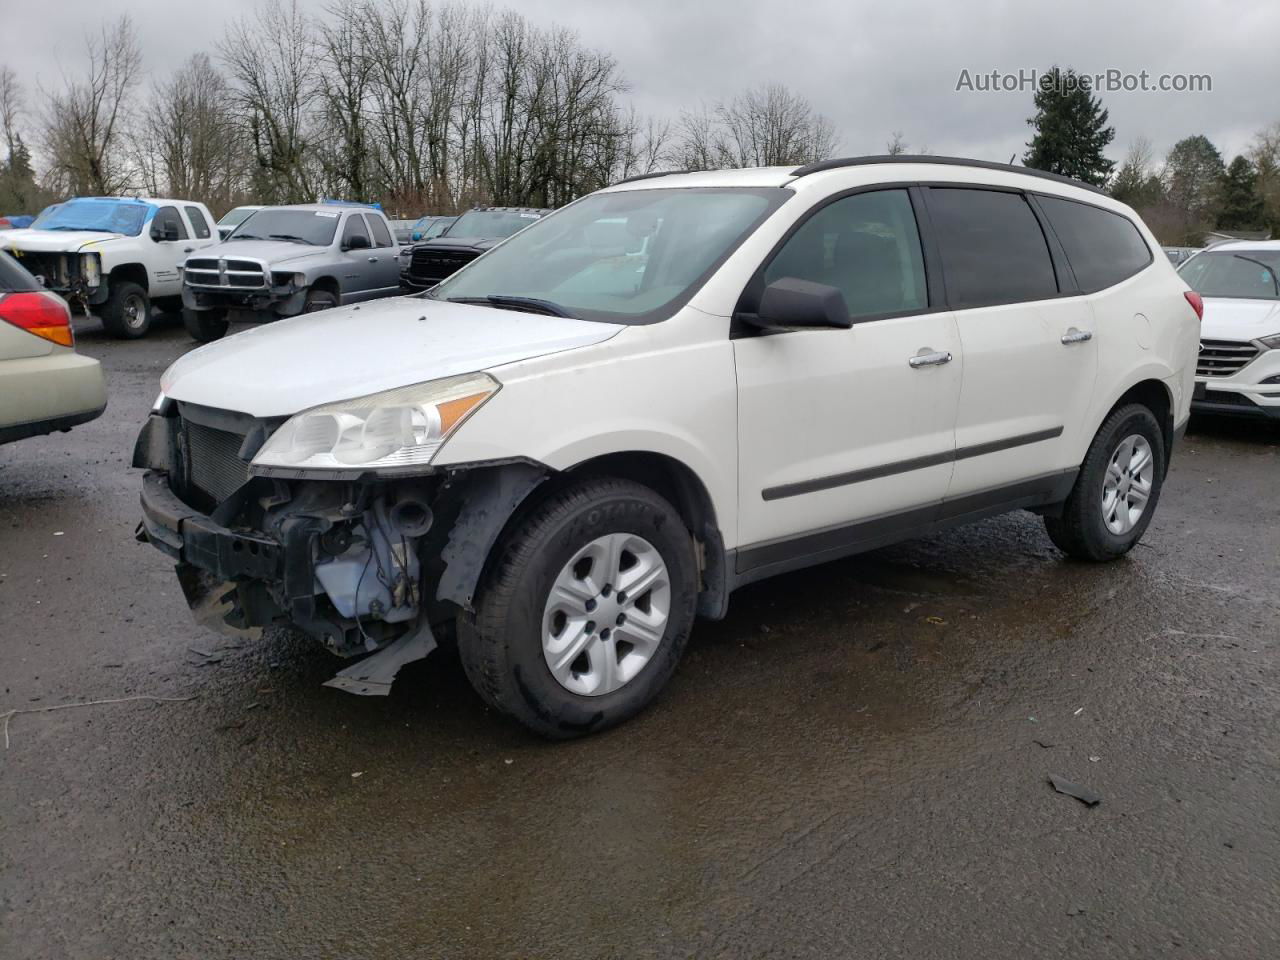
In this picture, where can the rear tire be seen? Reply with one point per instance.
(566, 662)
(1117, 489)
(206, 325)
(127, 313)
(319, 300)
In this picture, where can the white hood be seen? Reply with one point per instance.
(55, 241)
(1231, 319)
(290, 365)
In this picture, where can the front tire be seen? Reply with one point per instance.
(318, 300)
(206, 325)
(1116, 491)
(557, 642)
(127, 313)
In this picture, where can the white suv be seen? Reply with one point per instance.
(1238, 370)
(666, 390)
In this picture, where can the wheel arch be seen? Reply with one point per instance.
(498, 496)
(1153, 394)
(131, 273)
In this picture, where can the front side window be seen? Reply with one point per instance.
(314, 227)
(1102, 247)
(355, 227)
(1243, 274)
(102, 214)
(632, 256)
(866, 246)
(237, 216)
(168, 218)
(993, 250)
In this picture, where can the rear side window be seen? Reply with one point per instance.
(381, 235)
(993, 250)
(198, 223)
(865, 245)
(355, 227)
(1102, 247)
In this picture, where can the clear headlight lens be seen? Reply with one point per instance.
(91, 269)
(1272, 342)
(404, 427)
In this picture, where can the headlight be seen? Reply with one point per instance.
(1272, 342)
(91, 269)
(404, 427)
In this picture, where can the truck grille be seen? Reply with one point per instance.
(1224, 358)
(431, 265)
(237, 274)
(213, 464)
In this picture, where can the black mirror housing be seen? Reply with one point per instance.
(358, 242)
(795, 304)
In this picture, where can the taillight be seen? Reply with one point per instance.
(1196, 301)
(44, 314)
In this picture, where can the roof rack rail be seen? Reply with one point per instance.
(649, 176)
(949, 161)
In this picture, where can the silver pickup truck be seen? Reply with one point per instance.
(282, 261)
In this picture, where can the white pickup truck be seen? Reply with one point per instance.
(117, 255)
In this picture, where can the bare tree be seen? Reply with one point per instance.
(188, 144)
(85, 120)
(896, 145)
(270, 58)
(1265, 155)
(11, 108)
(767, 126)
(344, 83)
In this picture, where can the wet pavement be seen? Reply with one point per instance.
(853, 764)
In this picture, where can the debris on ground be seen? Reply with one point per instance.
(10, 714)
(1042, 744)
(1081, 793)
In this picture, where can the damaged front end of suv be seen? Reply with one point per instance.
(332, 521)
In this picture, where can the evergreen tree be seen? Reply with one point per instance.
(1193, 175)
(1071, 129)
(1242, 207)
(18, 190)
(1135, 183)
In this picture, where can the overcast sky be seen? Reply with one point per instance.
(871, 66)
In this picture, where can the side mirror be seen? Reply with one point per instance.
(168, 232)
(794, 304)
(358, 242)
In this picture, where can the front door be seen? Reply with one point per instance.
(847, 436)
(172, 244)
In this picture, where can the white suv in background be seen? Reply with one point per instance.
(1238, 370)
(659, 393)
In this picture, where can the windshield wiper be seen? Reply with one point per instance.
(1274, 282)
(243, 236)
(290, 236)
(527, 304)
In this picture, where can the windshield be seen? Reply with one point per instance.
(233, 217)
(315, 227)
(492, 224)
(627, 257)
(104, 215)
(438, 227)
(1245, 274)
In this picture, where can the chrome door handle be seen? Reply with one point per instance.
(925, 358)
(1076, 336)
(373, 259)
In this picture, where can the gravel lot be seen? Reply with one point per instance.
(854, 763)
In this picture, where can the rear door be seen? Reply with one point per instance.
(1030, 360)
(845, 436)
(202, 234)
(385, 253)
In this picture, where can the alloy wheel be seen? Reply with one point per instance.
(1126, 488)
